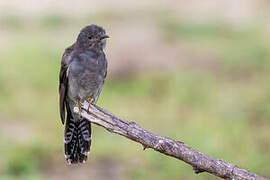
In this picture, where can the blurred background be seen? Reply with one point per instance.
(196, 71)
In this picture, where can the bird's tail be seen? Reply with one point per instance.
(77, 140)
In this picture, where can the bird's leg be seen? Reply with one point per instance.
(90, 101)
(79, 105)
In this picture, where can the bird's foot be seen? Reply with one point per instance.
(90, 101)
(79, 105)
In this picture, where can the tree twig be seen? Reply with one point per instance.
(199, 161)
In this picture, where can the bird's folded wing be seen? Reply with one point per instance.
(63, 81)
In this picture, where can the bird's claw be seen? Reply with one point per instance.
(90, 101)
(79, 105)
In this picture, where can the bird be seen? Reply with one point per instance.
(82, 74)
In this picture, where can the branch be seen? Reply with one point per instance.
(199, 161)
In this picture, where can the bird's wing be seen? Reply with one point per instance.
(63, 81)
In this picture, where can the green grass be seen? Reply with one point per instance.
(223, 112)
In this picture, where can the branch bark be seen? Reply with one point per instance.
(199, 161)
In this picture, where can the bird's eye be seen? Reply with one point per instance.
(90, 37)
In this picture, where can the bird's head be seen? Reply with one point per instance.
(92, 35)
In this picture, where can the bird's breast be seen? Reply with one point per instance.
(85, 76)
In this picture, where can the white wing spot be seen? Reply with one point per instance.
(67, 71)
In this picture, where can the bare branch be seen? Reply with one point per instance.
(199, 161)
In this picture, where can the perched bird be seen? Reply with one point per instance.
(82, 74)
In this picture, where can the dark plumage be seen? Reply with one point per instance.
(82, 74)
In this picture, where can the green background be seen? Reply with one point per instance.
(196, 72)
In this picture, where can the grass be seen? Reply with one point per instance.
(223, 112)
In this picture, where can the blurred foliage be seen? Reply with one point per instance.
(11, 21)
(239, 49)
(223, 111)
(53, 20)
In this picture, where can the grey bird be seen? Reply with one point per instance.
(82, 74)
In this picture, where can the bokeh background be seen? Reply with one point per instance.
(196, 71)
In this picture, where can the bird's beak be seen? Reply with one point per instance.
(103, 37)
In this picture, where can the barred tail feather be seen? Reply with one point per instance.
(77, 140)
